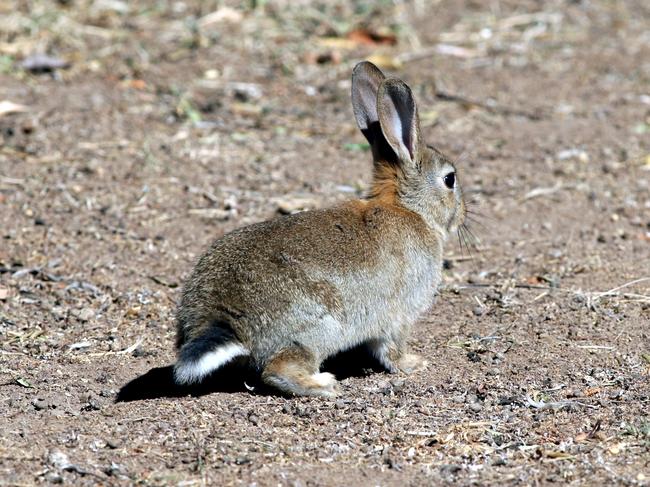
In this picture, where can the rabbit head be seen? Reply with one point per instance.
(407, 171)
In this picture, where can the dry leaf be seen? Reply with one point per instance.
(581, 437)
(246, 109)
(289, 205)
(132, 312)
(337, 43)
(533, 280)
(558, 455)
(137, 84)
(358, 37)
(457, 51)
(24, 383)
(594, 433)
(385, 61)
(224, 14)
(447, 438)
(371, 38)
(617, 448)
(590, 391)
(7, 107)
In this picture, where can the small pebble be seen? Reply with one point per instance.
(398, 384)
(287, 206)
(113, 470)
(42, 63)
(384, 386)
(391, 463)
(450, 469)
(506, 400)
(478, 310)
(494, 295)
(85, 314)
(54, 478)
(113, 443)
(93, 404)
(40, 404)
(473, 356)
(302, 412)
(140, 352)
(471, 398)
(476, 407)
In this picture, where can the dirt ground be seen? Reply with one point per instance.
(158, 126)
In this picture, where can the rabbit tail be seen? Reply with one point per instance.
(206, 353)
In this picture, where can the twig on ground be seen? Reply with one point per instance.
(592, 297)
(534, 193)
(555, 405)
(492, 107)
(627, 284)
(126, 351)
(595, 347)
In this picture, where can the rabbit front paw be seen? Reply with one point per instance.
(394, 357)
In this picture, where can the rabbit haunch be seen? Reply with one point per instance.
(370, 286)
(292, 291)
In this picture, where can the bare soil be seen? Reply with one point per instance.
(171, 127)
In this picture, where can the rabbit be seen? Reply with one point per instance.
(295, 290)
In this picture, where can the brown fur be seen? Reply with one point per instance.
(385, 184)
(294, 370)
(293, 291)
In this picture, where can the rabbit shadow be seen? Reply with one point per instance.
(238, 376)
(159, 382)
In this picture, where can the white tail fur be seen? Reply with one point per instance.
(187, 371)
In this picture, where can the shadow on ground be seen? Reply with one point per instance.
(238, 376)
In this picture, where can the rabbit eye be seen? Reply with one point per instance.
(450, 180)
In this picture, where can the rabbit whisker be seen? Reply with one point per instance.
(463, 242)
(475, 221)
(474, 239)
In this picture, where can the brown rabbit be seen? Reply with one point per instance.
(292, 291)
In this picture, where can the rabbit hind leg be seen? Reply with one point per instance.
(294, 371)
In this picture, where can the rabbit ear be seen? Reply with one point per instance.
(366, 78)
(398, 117)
